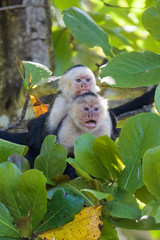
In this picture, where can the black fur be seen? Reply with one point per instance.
(35, 138)
(75, 66)
(19, 138)
(115, 131)
(86, 94)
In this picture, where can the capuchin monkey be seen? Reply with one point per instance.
(88, 113)
(77, 80)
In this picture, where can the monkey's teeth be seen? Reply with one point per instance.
(83, 92)
(90, 124)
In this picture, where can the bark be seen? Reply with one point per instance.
(24, 29)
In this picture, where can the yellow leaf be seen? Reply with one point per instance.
(86, 225)
(38, 107)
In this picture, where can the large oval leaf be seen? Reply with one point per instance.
(132, 69)
(32, 195)
(143, 224)
(21, 162)
(52, 158)
(75, 186)
(7, 229)
(138, 134)
(85, 30)
(87, 159)
(61, 209)
(8, 148)
(123, 205)
(35, 72)
(151, 171)
(10, 175)
(109, 156)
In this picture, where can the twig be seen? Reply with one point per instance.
(20, 119)
(116, 6)
(20, 6)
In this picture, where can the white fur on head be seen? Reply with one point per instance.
(75, 108)
(71, 74)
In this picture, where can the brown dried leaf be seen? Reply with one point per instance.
(39, 108)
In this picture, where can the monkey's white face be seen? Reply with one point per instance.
(77, 81)
(82, 84)
(89, 115)
(88, 112)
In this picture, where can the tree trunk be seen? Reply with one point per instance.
(24, 33)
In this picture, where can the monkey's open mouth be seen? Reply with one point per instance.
(81, 92)
(90, 124)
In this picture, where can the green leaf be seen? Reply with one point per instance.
(61, 209)
(123, 205)
(144, 195)
(78, 169)
(97, 194)
(151, 21)
(109, 156)
(8, 148)
(147, 223)
(21, 162)
(151, 171)
(36, 72)
(138, 134)
(32, 195)
(87, 159)
(157, 98)
(152, 209)
(10, 175)
(85, 30)
(75, 186)
(134, 69)
(7, 229)
(52, 158)
(108, 230)
(4, 238)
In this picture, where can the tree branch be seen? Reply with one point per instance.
(116, 6)
(48, 40)
(132, 113)
(20, 119)
(20, 6)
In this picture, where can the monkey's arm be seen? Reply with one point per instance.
(56, 113)
(146, 99)
(19, 138)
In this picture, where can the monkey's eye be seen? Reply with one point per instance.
(87, 79)
(96, 109)
(86, 109)
(78, 80)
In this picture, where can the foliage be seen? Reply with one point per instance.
(87, 221)
(113, 175)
